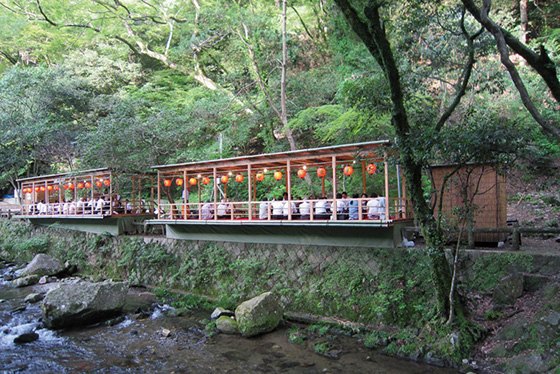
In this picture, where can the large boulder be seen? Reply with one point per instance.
(43, 265)
(508, 290)
(83, 303)
(259, 315)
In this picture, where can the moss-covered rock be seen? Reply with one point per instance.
(83, 303)
(227, 325)
(43, 264)
(259, 315)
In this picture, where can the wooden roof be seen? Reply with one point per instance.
(72, 174)
(311, 157)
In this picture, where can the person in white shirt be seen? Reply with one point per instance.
(321, 208)
(373, 204)
(128, 206)
(222, 210)
(66, 208)
(206, 211)
(304, 209)
(263, 208)
(99, 206)
(381, 207)
(72, 208)
(91, 204)
(80, 206)
(277, 208)
(41, 207)
(341, 207)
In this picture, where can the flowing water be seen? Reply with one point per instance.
(158, 342)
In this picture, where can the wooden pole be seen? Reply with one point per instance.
(250, 200)
(158, 195)
(364, 177)
(334, 182)
(386, 185)
(215, 175)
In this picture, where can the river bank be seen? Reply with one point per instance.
(383, 294)
(156, 338)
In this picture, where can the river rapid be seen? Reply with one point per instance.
(151, 338)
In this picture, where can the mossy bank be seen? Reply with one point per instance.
(386, 292)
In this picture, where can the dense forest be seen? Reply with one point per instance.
(130, 84)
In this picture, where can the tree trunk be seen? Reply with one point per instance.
(284, 111)
(374, 37)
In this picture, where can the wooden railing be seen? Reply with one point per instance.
(291, 210)
(73, 209)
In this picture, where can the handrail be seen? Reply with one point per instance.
(290, 210)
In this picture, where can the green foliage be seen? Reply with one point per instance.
(183, 301)
(488, 270)
(33, 245)
(296, 336)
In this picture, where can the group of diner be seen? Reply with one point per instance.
(102, 205)
(323, 209)
(282, 208)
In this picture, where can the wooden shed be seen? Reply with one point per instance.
(481, 185)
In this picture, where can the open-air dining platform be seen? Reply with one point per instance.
(97, 201)
(289, 197)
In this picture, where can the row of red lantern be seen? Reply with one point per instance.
(67, 186)
(321, 173)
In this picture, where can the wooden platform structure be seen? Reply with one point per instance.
(477, 184)
(71, 201)
(208, 213)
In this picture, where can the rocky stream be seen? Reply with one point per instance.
(152, 338)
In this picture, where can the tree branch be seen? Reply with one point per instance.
(463, 80)
(501, 44)
(542, 64)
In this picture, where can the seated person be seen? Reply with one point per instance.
(372, 206)
(207, 210)
(353, 207)
(321, 208)
(278, 208)
(223, 210)
(341, 208)
(100, 205)
(304, 209)
(263, 208)
(80, 206)
(381, 207)
(128, 206)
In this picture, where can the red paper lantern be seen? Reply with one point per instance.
(24, 190)
(179, 181)
(260, 177)
(88, 184)
(107, 182)
(167, 182)
(301, 173)
(239, 178)
(371, 168)
(224, 179)
(348, 170)
(205, 180)
(321, 172)
(42, 188)
(49, 187)
(56, 188)
(71, 186)
(278, 175)
(192, 181)
(98, 184)
(36, 189)
(65, 186)
(80, 185)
